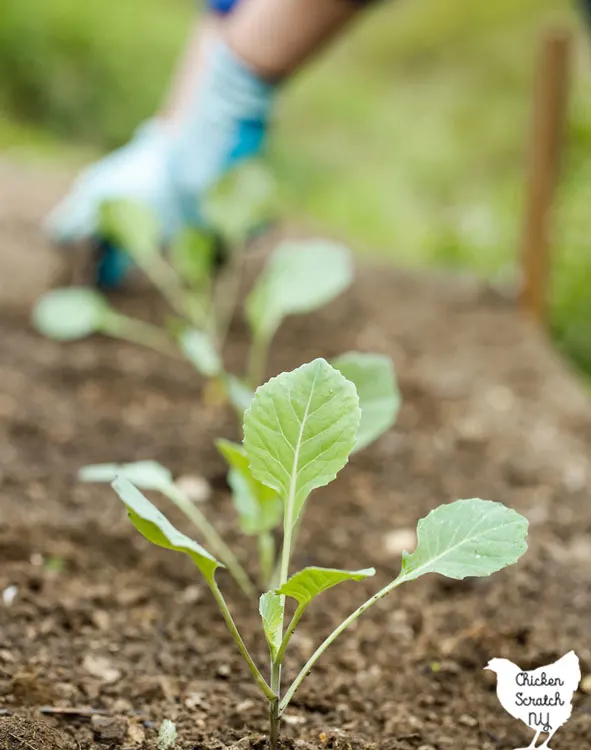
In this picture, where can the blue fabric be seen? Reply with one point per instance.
(222, 6)
(227, 124)
(112, 266)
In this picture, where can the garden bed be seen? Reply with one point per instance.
(114, 635)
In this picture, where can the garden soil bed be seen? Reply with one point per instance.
(106, 636)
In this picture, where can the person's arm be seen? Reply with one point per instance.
(275, 37)
(219, 107)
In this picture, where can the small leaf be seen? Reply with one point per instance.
(244, 198)
(300, 430)
(300, 276)
(156, 528)
(131, 226)
(192, 255)
(239, 394)
(71, 313)
(373, 377)
(271, 610)
(306, 584)
(198, 347)
(259, 507)
(147, 475)
(466, 538)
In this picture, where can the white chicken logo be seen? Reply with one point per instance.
(541, 698)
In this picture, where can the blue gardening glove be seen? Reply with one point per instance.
(226, 124)
(170, 170)
(137, 171)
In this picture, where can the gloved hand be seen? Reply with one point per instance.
(170, 169)
(137, 171)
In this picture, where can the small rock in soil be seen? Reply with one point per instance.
(101, 668)
(467, 721)
(9, 595)
(136, 734)
(395, 542)
(192, 594)
(224, 671)
(196, 488)
(586, 684)
(109, 728)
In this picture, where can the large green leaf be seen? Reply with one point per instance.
(70, 313)
(259, 507)
(379, 398)
(271, 610)
(192, 256)
(466, 538)
(198, 347)
(148, 475)
(299, 431)
(156, 528)
(300, 276)
(306, 584)
(131, 226)
(244, 198)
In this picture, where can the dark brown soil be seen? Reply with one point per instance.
(115, 635)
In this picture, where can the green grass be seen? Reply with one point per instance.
(408, 137)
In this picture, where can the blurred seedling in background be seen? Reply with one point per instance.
(299, 277)
(299, 432)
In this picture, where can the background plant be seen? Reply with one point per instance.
(299, 277)
(420, 160)
(298, 433)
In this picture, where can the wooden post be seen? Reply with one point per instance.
(549, 114)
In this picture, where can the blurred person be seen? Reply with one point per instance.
(216, 115)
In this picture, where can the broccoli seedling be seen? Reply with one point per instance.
(299, 431)
(167, 735)
(258, 507)
(299, 277)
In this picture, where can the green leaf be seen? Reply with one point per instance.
(466, 538)
(156, 528)
(259, 507)
(148, 475)
(299, 431)
(71, 313)
(373, 377)
(300, 276)
(271, 610)
(192, 255)
(131, 226)
(198, 347)
(244, 198)
(306, 584)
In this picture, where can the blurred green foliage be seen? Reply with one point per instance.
(409, 137)
(89, 69)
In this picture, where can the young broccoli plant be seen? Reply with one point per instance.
(299, 431)
(299, 277)
(259, 508)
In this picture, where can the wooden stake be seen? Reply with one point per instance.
(549, 114)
